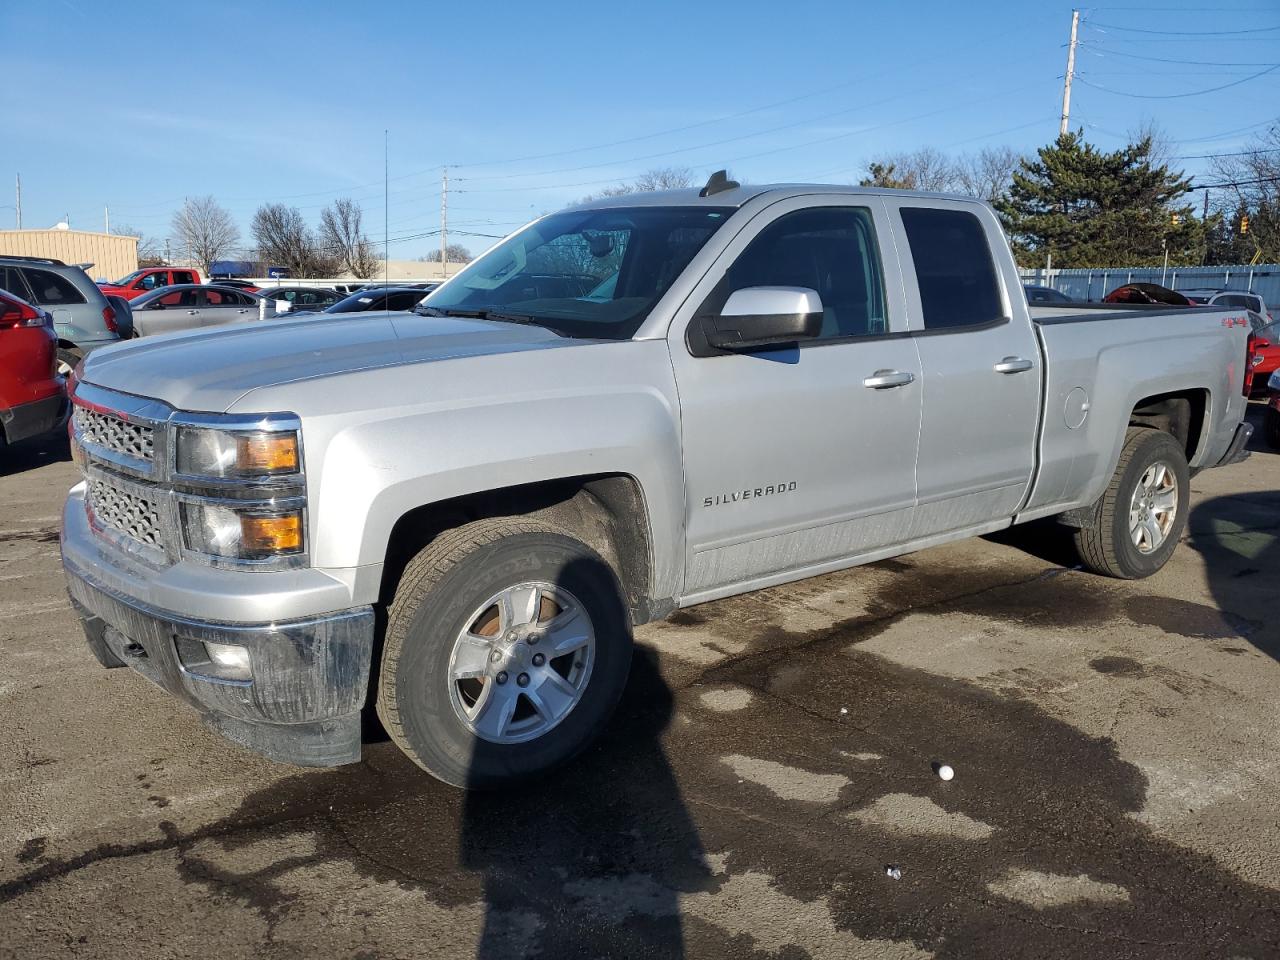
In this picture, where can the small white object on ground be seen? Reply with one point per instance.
(945, 772)
(893, 871)
(844, 709)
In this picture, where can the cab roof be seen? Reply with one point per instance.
(738, 195)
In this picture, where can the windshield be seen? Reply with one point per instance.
(125, 281)
(585, 273)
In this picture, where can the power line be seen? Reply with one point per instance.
(1089, 48)
(1183, 33)
(1178, 96)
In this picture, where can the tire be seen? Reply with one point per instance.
(1271, 427)
(422, 704)
(1106, 544)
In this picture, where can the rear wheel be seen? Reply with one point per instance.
(1138, 521)
(507, 647)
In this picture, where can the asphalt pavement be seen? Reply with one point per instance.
(1114, 746)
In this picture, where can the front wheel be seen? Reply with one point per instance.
(1137, 522)
(68, 359)
(507, 647)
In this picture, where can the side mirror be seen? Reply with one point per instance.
(765, 316)
(283, 306)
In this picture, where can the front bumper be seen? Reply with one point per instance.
(34, 418)
(1236, 451)
(309, 677)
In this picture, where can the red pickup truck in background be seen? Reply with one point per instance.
(150, 278)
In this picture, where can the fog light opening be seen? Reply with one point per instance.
(227, 661)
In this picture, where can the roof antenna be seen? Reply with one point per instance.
(718, 183)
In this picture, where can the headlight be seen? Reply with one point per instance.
(241, 533)
(210, 452)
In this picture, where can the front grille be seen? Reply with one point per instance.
(119, 436)
(126, 512)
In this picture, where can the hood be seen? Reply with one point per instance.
(208, 370)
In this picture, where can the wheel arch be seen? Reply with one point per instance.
(605, 511)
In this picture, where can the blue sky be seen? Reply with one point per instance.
(532, 105)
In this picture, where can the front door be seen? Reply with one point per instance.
(804, 456)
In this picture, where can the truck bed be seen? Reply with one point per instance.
(1102, 360)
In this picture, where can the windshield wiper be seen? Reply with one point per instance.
(495, 315)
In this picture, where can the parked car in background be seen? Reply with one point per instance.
(1271, 420)
(83, 318)
(1264, 352)
(1036, 294)
(188, 306)
(1139, 293)
(302, 299)
(32, 395)
(379, 298)
(1229, 298)
(233, 282)
(148, 279)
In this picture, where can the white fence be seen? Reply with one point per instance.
(1094, 284)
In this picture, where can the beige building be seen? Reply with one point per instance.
(111, 255)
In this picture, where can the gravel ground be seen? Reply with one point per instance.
(1115, 794)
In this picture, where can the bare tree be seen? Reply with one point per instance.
(924, 169)
(987, 174)
(1163, 147)
(150, 250)
(342, 236)
(660, 178)
(206, 229)
(284, 240)
(1250, 201)
(456, 251)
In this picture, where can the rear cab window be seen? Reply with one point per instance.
(954, 270)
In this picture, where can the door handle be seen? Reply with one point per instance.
(1013, 365)
(192, 313)
(884, 379)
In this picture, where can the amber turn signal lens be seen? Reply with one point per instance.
(267, 453)
(270, 536)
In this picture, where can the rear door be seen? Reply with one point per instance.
(226, 306)
(176, 310)
(981, 365)
(795, 459)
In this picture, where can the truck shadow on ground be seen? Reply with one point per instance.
(752, 814)
(36, 452)
(1239, 538)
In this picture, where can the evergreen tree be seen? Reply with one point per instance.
(1089, 208)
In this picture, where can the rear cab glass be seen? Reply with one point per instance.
(954, 269)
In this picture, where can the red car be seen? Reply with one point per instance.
(1264, 352)
(1147, 293)
(148, 279)
(33, 397)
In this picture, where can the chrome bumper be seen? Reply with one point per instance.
(308, 677)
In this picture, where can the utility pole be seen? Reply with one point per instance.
(166, 251)
(444, 224)
(106, 217)
(1071, 70)
(18, 208)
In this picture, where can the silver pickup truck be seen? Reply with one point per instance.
(456, 515)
